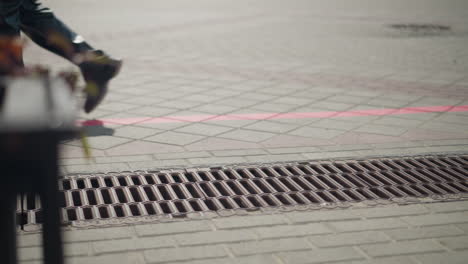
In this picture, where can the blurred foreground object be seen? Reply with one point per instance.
(37, 112)
(10, 55)
(41, 25)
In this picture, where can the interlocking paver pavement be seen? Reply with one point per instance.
(188, 60)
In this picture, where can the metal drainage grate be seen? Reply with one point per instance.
(179, 192)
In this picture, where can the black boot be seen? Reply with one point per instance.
(98, 69)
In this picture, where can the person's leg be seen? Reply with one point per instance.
(10, 50)
(46, 30)
(49, 32)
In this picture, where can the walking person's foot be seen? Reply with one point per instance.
(97, 71)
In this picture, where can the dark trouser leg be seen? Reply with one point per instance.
(46, 30)
(9, 30)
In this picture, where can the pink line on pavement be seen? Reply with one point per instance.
(270, 116)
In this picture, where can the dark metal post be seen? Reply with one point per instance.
(8, 228)
(51, 235)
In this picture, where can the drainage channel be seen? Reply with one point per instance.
(179, 192)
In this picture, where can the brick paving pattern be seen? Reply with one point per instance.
(191, 59)
(383, 234)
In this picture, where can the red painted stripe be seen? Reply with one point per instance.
(270, 116)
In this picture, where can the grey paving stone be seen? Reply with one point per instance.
(347, 99)
(443, 258)
(446, 142)
(122, 245)
(292, 231)
(247, 135)
(444, 127)
(340, 154)
(142, 100)
(188, 115)
(330, 105)
(349, 239)
(214, 109)
(323, 216)
(203, 238)
(321, 255)
(402, 248)
(232, 123)
(442, 149)
(396, 121)
(237, 102)
(357, 119)
(296, 101)
(394, 210)
(426, 101)
(374, 224)
(153, 111)
(69, 250)
(102, 142)
(366, 93)
(108, 167)
(424, 232)
(162, 126)
(455, 243)
(463, 227)
(201, 98)
(123, 158)
(155, 164)
(419, 116)
(381, 130)
(159, 229)
(30, 253)
(135, 132)
(314, 132)
(269, 246)
(248, 221)
(77, 161)
(399, 145)
(346, 147)
(276, 158)
(452, 118)
(30, 262)
(437, 219)
(117, 106)
(256, 259)
(240, 152)
(217, 160)
(269, 126)
(182, 155)
(189, 253)
(178, 103)
(313, 94)
(175, 138)
(454, 206)
(335, 124)
(292, 150)
(389, 260)
(29, 240)
(272, 107)
(203, 129)
(95, 234)
(257, 96)
(379, 101)
(127, 257)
